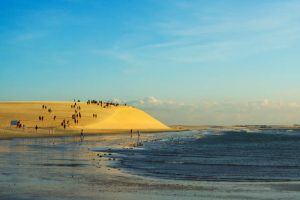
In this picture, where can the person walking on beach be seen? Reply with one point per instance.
(131, 133)
(138, 140)
(36, 128)
(81, 135)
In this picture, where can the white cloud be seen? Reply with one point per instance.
(153, 101)
(263, 111)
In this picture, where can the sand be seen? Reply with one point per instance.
(112, 119)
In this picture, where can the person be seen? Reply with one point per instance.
(81, 135)
(131, 133)
(36, 128)
(138, 141)
(18, 124)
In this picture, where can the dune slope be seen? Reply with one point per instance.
(108, 118)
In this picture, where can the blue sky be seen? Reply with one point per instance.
(213, 62)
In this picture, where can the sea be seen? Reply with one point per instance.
(261, 155)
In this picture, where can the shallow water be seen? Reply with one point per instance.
(68, 168)
(218, 156)
(53, 168)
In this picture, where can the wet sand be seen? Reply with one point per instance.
(13, 133)
(65, 168)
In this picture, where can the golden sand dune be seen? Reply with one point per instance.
(89, 116)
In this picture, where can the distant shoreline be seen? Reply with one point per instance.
(237, 127)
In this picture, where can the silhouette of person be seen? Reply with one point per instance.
(81, 135)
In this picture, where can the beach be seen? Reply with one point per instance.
(54, 118)
(69, 168)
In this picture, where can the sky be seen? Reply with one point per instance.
(217, 62)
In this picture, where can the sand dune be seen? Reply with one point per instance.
(109, 118)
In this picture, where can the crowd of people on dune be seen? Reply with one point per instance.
(76, 116)
(64, 123)
(41, 117)
(104, 104)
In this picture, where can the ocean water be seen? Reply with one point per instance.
(272, 155)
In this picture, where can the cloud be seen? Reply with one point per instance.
(263, 111)
(153, 101)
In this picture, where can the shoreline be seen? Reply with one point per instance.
(8, 133)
